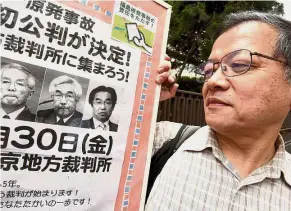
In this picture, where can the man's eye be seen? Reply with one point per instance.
(233, 65)
(5, 82)
(20, 84)
(239, 67)
(208, 72)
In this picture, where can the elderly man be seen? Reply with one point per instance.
(103, 100)
(238, 161)
(17, 87)
(65, 92)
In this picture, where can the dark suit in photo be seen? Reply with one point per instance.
(49, 116)
(26, 115)
(90, 124)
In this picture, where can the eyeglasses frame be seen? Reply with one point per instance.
(251, 54)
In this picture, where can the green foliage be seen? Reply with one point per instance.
(190, 84)
(195, 23)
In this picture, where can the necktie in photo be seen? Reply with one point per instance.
(61, 122)
(6, 117)
(101, 127)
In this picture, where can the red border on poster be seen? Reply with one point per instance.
(133, 199)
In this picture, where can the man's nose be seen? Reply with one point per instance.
(63, 100)
(217, 81)
(12, 87)
(102, 105)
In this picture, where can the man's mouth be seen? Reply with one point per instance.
(10, 96)
(102, 113)
(212, 101)
(62, 108)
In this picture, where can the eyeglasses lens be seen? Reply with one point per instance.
(232, 64)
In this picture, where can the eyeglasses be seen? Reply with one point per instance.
(232, 64)
(68, 97)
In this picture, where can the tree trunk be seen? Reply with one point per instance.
(185, 62)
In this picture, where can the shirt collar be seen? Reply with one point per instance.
(97, 122)
(13, 114)
(200, 140)
(65, 119)
(283, 159)
(205, 138)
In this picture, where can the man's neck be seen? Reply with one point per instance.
(247, 153)
(10, 109)
(64, 118)
(98, 121)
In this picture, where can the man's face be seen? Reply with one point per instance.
(14, 88)
(258, 100)
(64, 100)
(102, 106)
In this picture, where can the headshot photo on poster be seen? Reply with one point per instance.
(21, 85)
(62, 99)
(102, 111)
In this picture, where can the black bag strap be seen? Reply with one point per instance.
(177, 142)
(188, 131)
(160, 158)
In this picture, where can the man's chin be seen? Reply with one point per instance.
(221, 123)
(9, 101)
(102, 119)
(63, 114)
(214, 119)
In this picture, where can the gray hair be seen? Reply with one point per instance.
(30, 80)
(283, 27)
(64, 79)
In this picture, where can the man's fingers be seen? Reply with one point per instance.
(161, 78)
(167, 58)
(171, 79)
(169, 87)
(174, 89)
(164, 67)
(168, 93)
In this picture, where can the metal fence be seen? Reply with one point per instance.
(186, 107)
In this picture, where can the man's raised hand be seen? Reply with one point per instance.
(164, 78)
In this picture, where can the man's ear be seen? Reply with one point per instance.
(30, 95)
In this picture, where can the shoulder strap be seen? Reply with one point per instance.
(188, 131)
(175, 142)
(160, 158)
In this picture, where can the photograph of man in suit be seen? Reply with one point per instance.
(103, 100)
(65, 93)
(17, 87)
